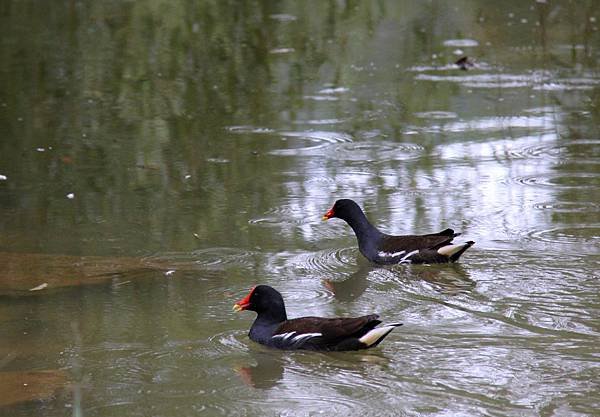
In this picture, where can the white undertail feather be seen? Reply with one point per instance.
(450, 250)
(373, 336)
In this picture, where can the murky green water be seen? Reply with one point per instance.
(158, 158)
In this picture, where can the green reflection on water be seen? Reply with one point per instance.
(215, 133)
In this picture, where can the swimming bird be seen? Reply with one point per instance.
(385, 249)
(272, 327)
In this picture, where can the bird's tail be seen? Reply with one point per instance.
(374, 337)
(454, 251)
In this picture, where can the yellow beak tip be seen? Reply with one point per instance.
(325, 218)
(237, 308)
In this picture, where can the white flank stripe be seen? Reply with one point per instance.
(450, 250)
(408, 255)
(284, 336)
(305, 336)
(299, 338)
(374, 335)
(390, 255)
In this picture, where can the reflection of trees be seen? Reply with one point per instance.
(135, 96)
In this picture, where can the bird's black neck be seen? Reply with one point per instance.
(365, 232)
(266, 323)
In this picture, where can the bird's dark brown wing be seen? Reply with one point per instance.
(409, 243)
(331, 329)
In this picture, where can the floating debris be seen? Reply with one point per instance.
(3, 177)
(39, 287)
(464, 63)
(169, 272)
(71, 196)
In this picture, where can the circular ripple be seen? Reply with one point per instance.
(377, 151)
(577, 234)
(581, 150)
(280, 215)
(568, 207)
(227, 343)
(309, 141)
(249, 129)
(212, 258)
(325, 261)
(560, 180)
(436, 115)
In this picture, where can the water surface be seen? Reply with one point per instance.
(157, 159)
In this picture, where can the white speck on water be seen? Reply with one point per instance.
(41, 149)
(458, 52)
(84, 135)
(3, 177)
(282, 50)
(461, 43)
(593, 19)
(71, 196)
(19, 119)
(169, 272)
(334, 90)
(523, 20)
(187, 177)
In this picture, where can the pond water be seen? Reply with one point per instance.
(158, 159)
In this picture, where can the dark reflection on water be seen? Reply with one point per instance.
(176, 153)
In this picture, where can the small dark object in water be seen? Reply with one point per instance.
(465, 63)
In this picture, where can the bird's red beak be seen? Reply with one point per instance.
(244, 303)
(328, 215)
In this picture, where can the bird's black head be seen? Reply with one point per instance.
(262, 299)
(344, 209)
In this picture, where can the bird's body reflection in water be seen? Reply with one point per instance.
(450, 279)
(265, 373)
(267, 366)
(354, 285)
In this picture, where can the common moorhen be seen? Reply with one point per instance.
(381, 248)
(272, 327)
